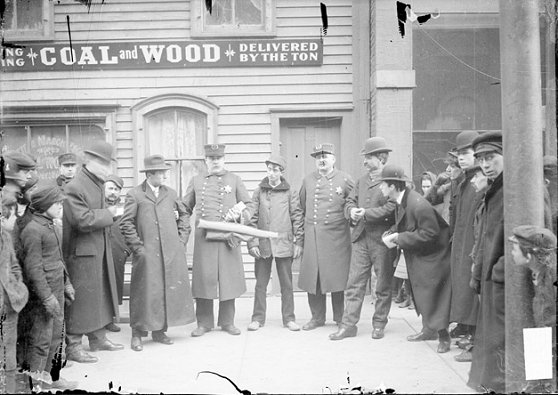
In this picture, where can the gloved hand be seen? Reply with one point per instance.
(69, 294)
(52, 306)
(475, 285)
(255, 252)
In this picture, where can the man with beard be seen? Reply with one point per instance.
(67, 166)
(372, 215)
(87, 252)
(327, 238)
(120, 251)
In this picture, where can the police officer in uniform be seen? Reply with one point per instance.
(218, 270)
(327, 238)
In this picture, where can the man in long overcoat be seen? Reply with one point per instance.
(423, 236)
(155, 227)
(327, 238)
(488, 364)
(372, 215)
(218, 271)
(87, 253)
(465, 202)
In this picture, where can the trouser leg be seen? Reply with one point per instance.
(226, 313)
(383, 260)
(317, 303)
(8, 339)
(338, 304)
(359, 273)
(40, 340)
(262, 270)
(285, 274)
(204, 313)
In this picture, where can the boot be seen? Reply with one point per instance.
(401, 296)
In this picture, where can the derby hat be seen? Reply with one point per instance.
(465, 139)
(101, 149)
(324, 148)
(375, 145)
(393, 173)
(214, 150)
(154, 163)
(488, 142)
(69, 158)
(277, 160)
(119, 182)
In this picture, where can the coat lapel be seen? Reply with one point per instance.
(400, 209)
(149, 192)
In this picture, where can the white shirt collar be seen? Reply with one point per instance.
(153, 188)
(400, 197)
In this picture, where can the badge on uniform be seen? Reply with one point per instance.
(339, 191)
(227, 189)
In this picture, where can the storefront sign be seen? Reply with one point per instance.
(183, 54)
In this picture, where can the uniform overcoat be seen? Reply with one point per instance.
(88, 254)
(464, 300)
(424, 239)
(327, 237)
(160, 293)
(487, 367)
(218, 271)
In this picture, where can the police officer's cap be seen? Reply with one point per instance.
(324, 148)
(214, 150)
(69, 158)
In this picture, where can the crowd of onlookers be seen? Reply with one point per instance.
(438, 247)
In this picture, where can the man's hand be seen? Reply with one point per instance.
(235, 212)
(139, 251)
(357, 214)
(69, 293)
(475, 284)
(113, 211)
(255, 252)
(52, 306)
(297, 253)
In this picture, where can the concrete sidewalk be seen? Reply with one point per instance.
(276, 360)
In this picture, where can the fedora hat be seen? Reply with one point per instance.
(375, 145)
(101, 149)
(393, 173)
(154, 163)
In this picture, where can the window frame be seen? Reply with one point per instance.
(46, 33)
(200, 30)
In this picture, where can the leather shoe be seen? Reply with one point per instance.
(112, 327)
(465, 356)
(105, 345)
(443, 346)
(293, 326)
(200, 331)
(254, 326)
(378, 333)
(422, 336)
(231, 329)
(81, 356)
(161, 337)
(459, 330)
(136, 344)
(344, 332)
(464, 342)
(312, 325)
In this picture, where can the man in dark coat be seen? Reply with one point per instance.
(218, 271)
(464, 301)
(120, 251)
(67, 164)
(423, 236)
(327, 238)
(87, 253)
(155, 226)
(488, 364)
(372, 215)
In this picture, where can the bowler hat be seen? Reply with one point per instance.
(324, 148)
(154, 163)
(375, 145)
(393, 173)
(119, 182)
(488, 142)
(465, 139)
(277, 160)
(451, 158)
(535, 237)
(215, 150)
(102, 149)
(68, 158)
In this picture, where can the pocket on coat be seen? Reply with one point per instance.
(85, 249)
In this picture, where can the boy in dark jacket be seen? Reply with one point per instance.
(276, 207)
(45, 275)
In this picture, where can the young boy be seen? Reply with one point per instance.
(13, 295)
(276, 208)
(45, 276)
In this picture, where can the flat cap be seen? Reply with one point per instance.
(22, 160)
(277, 160)
(535, 237)
(69, 158)
(324, 148)
(44, 195)
(488, 142)
(215, 150)
(119, 182)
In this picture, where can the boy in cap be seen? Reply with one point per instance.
(276, 208)
(218, 270)
(19, 169)
(423, 236)
(327, 237)
(46, 277)
(67, 165)
(13, 295)
(372, 214)
(488, 357)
